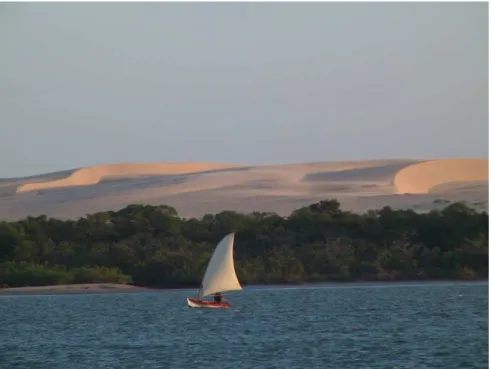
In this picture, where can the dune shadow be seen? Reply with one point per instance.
(361, 174)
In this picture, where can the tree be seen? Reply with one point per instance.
(153, 246)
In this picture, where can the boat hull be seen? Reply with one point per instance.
(197, 303)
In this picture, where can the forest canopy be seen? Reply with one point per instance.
(152, 246)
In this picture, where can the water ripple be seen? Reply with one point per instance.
(425, 326)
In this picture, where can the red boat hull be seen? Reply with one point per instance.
(197, 303)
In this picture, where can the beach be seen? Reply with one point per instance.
(65, 289)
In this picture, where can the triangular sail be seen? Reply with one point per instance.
(220, 274)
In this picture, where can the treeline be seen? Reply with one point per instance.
(153, 246)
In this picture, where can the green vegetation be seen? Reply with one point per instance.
(153, 246)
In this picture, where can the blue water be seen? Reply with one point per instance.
(384, 326)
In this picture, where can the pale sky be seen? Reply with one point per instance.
(253, 83)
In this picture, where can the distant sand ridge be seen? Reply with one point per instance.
(422, 177)
(94, 175)
(195, 189)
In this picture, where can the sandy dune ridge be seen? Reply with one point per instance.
(94, 175)
(424, 177)
(199, 188)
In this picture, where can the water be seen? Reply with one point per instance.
(384, 326)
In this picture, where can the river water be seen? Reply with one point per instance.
(376, 326)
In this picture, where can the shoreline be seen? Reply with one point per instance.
(71, 289)
(109, 288)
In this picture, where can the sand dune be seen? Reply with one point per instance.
(94, 175)
(423, 177)
(195, 189)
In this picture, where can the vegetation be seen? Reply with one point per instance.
(153, 246)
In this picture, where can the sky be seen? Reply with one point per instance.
(251, 83)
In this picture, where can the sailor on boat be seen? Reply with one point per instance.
(217, 298)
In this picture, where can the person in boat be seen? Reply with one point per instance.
(217, 298)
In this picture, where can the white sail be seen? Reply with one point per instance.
(220, 274)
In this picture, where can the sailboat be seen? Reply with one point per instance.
(219, 277)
